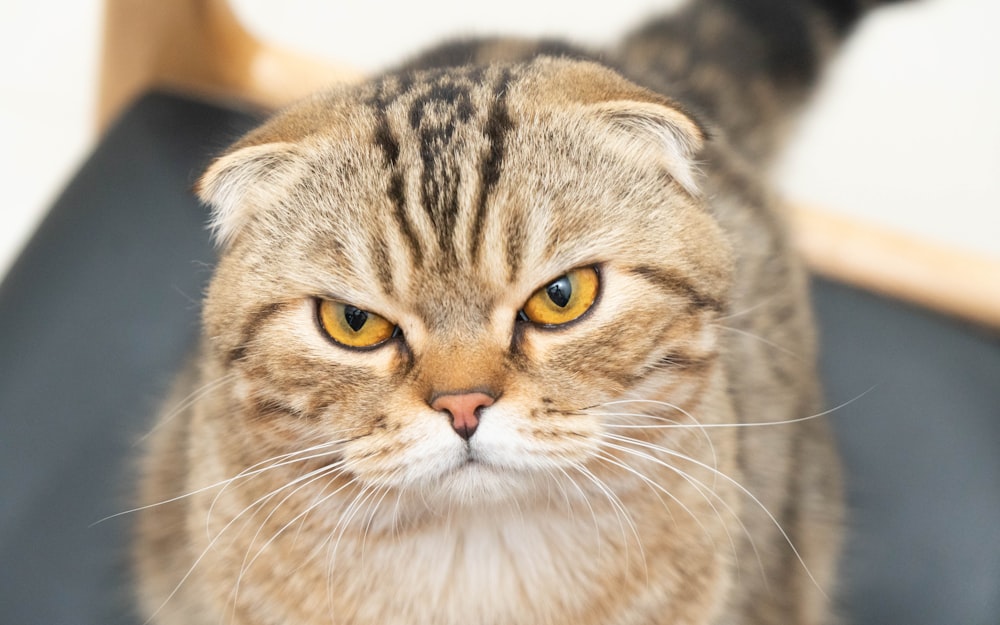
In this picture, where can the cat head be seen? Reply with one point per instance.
(451, 272)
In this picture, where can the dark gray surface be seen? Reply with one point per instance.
(922, 454)
(97, 312)
(102, 307)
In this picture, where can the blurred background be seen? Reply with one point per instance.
(903, 132)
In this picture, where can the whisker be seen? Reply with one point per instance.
(695, 423)
(583, 497)
(326, 471)
(395, 514)
(187, 402)
(331, 470)
(702, 489)
(656, 487)
(372, 511)
(769, 343)
(343, 522)
(352, 510)
(245, 473)
(285, 462)
(742, 489)
(764, 302)
(675, 424)
(620, 512)
(214, 539)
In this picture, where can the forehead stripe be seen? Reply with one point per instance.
(498, 124)
(398, 196)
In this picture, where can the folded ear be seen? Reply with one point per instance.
(672, 134)
(637, 112)
(244, 181)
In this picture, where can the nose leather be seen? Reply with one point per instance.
(464, 409)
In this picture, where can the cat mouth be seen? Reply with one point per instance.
(476, 472)
(471, 459)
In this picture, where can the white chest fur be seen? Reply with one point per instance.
(477, 568)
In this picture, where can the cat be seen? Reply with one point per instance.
(510, 334)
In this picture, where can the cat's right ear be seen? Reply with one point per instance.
(244, 181)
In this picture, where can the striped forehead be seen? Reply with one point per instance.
(469, 202)
(441, 137)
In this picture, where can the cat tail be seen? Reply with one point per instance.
(747, 64)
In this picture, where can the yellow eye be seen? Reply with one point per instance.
(564, 299)
(353, 327)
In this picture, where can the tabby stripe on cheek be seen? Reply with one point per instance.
(676, 283)
(250, 329)
(688, 362)
(270, 408)
(498, 124)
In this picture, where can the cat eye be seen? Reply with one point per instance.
(564, 299)
(352, 327)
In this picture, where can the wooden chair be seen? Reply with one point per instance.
(199, 47)
(102, 307)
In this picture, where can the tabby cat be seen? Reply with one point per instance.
(510, 335)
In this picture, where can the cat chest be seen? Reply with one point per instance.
(496, 572)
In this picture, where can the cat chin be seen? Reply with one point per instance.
(479, 481)
(475, 484)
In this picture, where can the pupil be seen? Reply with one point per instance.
(560, 291)
(355, 317)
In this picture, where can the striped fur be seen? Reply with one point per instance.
(615, 476)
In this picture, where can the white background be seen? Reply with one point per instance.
(905, 131)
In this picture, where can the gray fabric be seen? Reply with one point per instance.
(103, 305)
(97, 312)
(922, 453)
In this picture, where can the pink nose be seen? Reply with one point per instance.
(464, 410)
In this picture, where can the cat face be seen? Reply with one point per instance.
(451, 275)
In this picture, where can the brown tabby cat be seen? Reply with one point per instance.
(504, 337)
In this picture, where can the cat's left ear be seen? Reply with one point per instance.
(245, 181)
(644, 117)
(674, 136)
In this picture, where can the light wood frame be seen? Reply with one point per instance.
(199, 46)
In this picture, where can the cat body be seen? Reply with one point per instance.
(505, 337)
